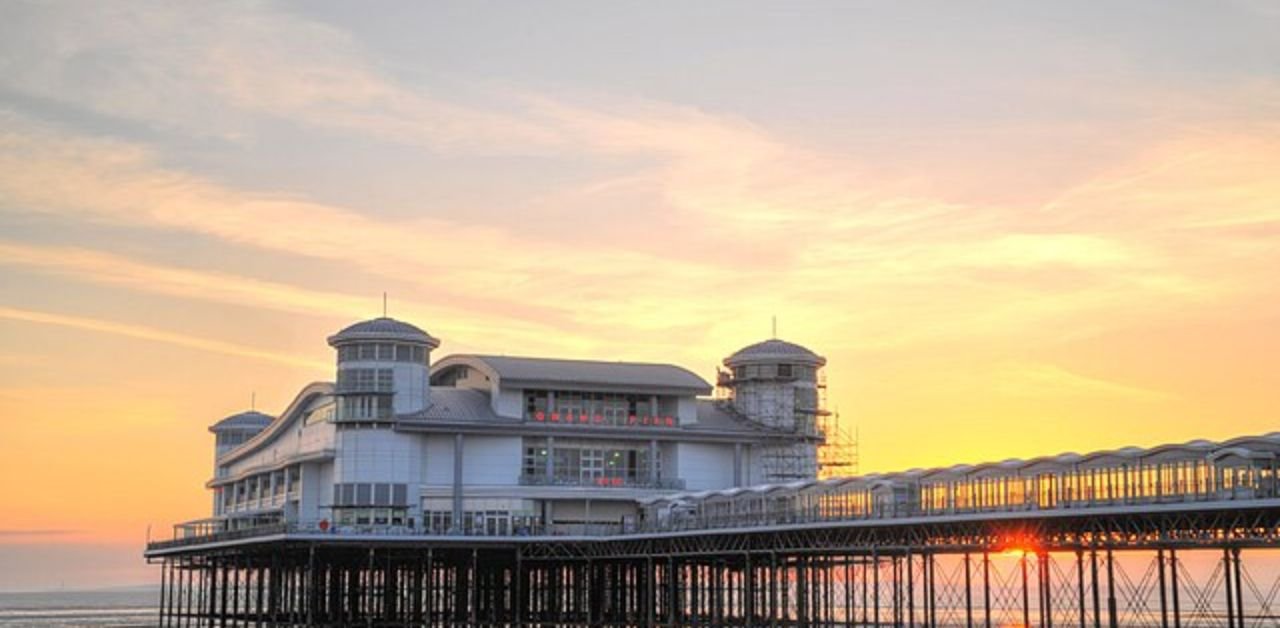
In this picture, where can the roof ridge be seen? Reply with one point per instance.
(581, 360)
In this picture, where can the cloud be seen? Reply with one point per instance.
(1025, 379)
(992, 267)
(701, 200)
(207, 69)
(99, 267)
(39, 532)
(466, 265)
(156, 335)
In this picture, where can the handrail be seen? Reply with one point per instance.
(539, 479)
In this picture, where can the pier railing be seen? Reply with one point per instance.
(540, 479)
(318, 528)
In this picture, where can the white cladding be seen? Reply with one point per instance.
(508, 403)
(376, 455)
(705, 466)
(489, 460)
(413, 387)
(438, 450)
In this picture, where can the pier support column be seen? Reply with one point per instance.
(968, 592)
(1080, 606)
(1227, 577)
(1111, 590)
(1235, 553)
(1026, 606)
(1097, 606)
(1160, 577)
(986, 588)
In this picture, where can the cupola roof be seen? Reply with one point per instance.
(383, 328)
(774, 350)
(249, 420)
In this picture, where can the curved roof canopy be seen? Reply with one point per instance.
(383, 328)
(519, 372)
(774, 350)
(248, 421)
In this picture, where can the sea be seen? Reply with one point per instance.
(132, 607)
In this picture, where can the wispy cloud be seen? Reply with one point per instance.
(156, 335)
(989, 265)
(147, 63)
(36, 532)
(1038, 380)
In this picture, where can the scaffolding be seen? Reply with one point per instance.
(838, 454)
(817, 446)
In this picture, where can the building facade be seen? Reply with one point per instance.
(498, 445)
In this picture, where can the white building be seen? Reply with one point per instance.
(477, 444)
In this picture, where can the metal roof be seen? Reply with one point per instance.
(249, 420)
(774, 350)
(383, 328)
(1010, 468)
(582, 374)
(714, 414)
(457, 404)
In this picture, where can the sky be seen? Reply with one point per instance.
(1013, 229)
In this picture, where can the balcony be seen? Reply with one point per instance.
(537, 479)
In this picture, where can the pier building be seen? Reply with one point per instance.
(503, 445)
(480, 490)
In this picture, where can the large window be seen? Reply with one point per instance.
(366, 407)
(372, 516)
(382, 352)
(369, 494)
(586, 463)
(365, 380)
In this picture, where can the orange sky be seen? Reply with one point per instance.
(1073, 248)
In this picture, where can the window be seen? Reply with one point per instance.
(368, 407)
(592, 464)
(363, 494)
(437, 522)
(535, 460)
(359, 380)
(596, 408)
(784, 370)
(589, 463)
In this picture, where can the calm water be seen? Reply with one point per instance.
(118, 608)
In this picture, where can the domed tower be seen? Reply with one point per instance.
(383, 369)
(775, 384)
(228, 434)
(234, 430)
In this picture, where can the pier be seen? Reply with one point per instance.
(1181, 535)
